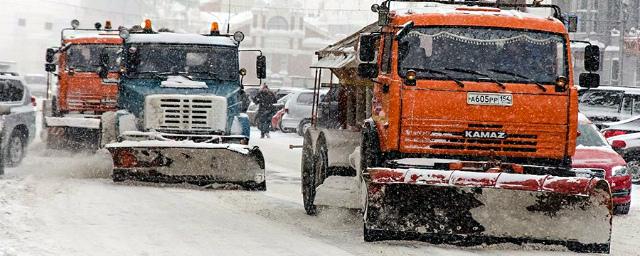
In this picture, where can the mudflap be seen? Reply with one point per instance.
(187, 162)
(467, 209)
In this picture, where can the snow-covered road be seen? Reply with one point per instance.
(57, 203)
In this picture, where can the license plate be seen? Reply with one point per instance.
(489, 99)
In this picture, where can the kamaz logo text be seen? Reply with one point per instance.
(485, 135)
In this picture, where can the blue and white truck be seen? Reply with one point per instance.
(180, 104)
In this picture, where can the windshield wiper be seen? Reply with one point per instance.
(178, 73)
(473, 72)
(529, 80)
(439, 72)
(212, 75)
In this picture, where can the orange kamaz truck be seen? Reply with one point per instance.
(456, 124)
(84, 88)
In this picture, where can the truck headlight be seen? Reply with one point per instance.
(619, 171)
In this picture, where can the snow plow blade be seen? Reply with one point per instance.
(190, 162)
(469, 208)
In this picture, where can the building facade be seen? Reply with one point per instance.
(601, 22)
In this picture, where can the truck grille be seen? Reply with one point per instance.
(433, 136)
(456, 140)
(90, 103)
(186, 113)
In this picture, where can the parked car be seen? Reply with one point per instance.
(594, 157)
(297, 115)
(609, 103)
(17, 118)
(627, 126)
(628, 146)
(37, 84)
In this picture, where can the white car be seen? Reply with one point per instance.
(17, 118)
(628, 146)
(297, 115)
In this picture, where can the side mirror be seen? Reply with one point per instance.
(261, 67)
(367, 47)
(50, 67)
(5, 110)
(51, 52)
(589, 80)
(104, 65)
(592, 58)
(368, 70)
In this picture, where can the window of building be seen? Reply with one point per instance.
(301, 23)
(22, 22)
(293, 23)
(48, 26)
(582, 22)
(255, 20)
(278, 23)
(582, 4)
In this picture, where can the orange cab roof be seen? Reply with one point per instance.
(477, 16)
(91, 37)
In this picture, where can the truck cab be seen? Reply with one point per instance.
(473, 83)
(180, 110)
(84, 88)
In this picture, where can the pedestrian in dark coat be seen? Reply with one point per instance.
(265, 100)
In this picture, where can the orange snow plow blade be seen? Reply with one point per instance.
(474, 208)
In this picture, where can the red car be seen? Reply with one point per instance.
(595, 157)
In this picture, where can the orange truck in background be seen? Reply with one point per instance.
(469, 130)
(85, 87)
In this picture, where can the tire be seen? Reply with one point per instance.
(308, 176)
(303, 126)
(15, 151)
(622, 209)
(282, 129)
(634, 169)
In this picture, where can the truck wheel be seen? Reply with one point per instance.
(15, 149)
(308, 177)
(622, 209)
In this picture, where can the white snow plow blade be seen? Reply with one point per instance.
(469, 208)
(187, 161)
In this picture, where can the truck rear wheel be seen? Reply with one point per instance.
(308, 176)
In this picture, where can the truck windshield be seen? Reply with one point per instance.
(86, 57)
(214, 62)
(516, 56)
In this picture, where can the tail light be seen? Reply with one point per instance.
(618, 144)
(611, 133)
(33, 101)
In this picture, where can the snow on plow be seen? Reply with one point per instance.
(188, 161)
(470, 208)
